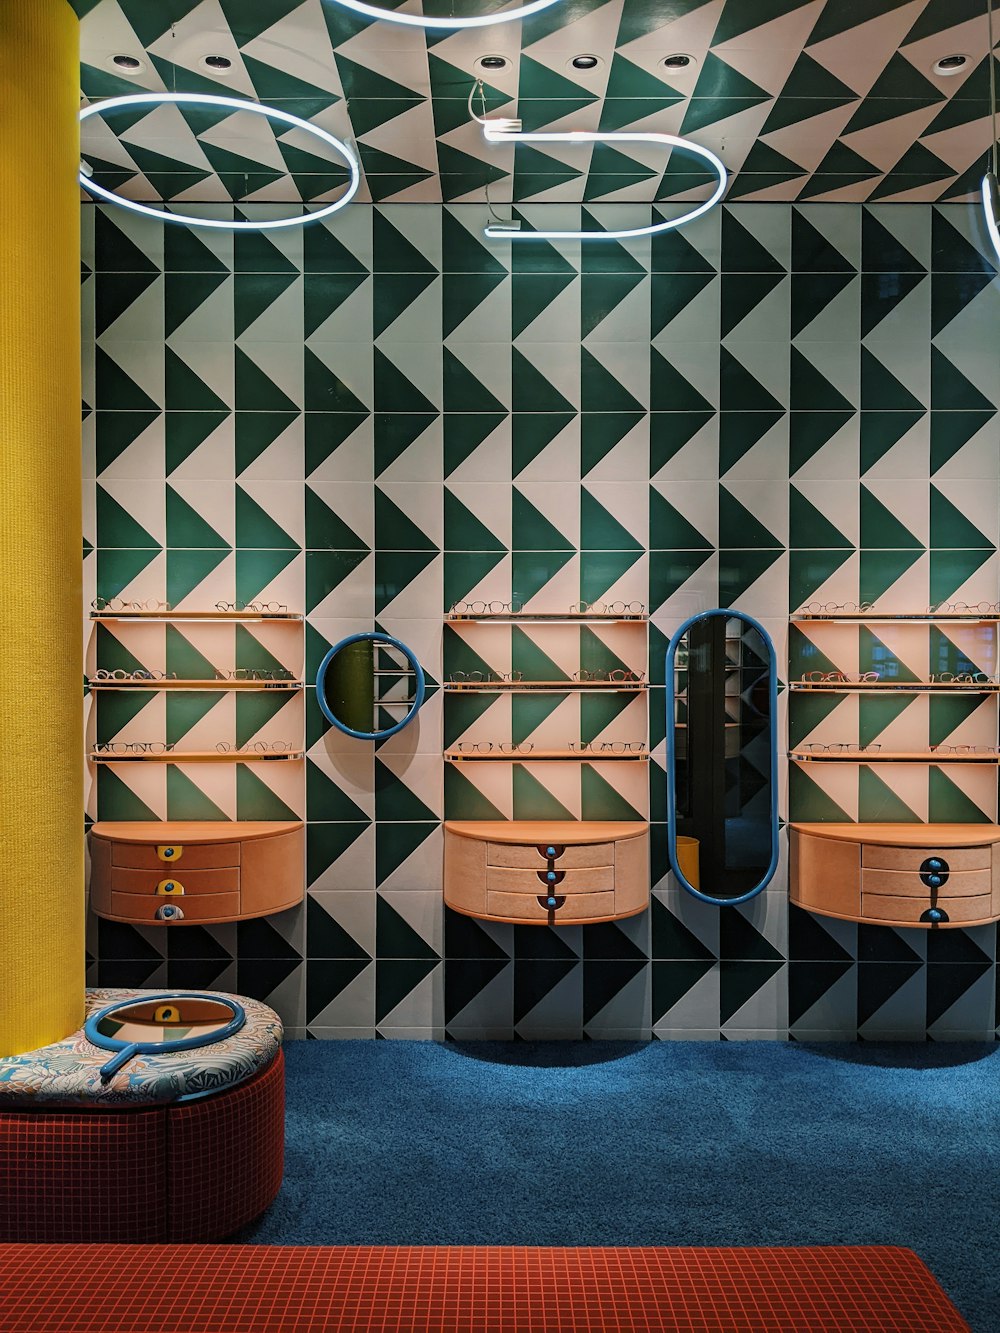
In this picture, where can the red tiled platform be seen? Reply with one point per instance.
(193, 1171)
(279, 1289)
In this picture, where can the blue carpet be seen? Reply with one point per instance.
(672, 1143)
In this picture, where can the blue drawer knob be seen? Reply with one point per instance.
(550, 851)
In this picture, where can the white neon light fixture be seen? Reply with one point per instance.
(450, 24)
(230, 104)
(991, 190)
(509, 131)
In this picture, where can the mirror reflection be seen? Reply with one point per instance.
(153, 1021)
(723, 753)
(369, 685)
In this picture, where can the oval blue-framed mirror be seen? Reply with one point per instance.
(722, 756)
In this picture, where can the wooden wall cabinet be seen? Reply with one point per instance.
(197, 873)
(546, 874)
(929, 876)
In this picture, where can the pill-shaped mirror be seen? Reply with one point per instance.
(722, 756)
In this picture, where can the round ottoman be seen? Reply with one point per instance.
(183, 1146)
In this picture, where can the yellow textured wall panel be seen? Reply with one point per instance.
(41, 667)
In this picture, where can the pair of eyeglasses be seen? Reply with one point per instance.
(964, 608)
(254, 747)
(120, 604)
(839, 677)
(254, 673)
(840, 747)
(965, 749)
(851, 608)
(271, 608)
(607, 608)
(617, 674)
(609, 747)
(133, 747)
(120, 674)
(505, 747)
(484, 677)
(487, 608)
(962, 678)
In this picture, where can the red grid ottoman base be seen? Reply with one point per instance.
(277, 1289)
(189, 1172)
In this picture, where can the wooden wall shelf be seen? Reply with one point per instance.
(569, 686)
(229, 617)
(917, 618)
(581, 757)
(194, 684)
(196, 757)
(499, 871)
(926, 876)
(893, 757)
(175, 873)
(541, 618)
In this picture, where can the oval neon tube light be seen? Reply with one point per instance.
(500, 131)
(231, 104)
(450, 24)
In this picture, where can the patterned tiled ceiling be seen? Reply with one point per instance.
(802, 99)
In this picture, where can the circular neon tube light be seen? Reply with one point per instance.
(231, 104)
(449, 24)
(500, 131)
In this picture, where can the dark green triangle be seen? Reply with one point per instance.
(462, 293)
(670, 570)
(742, 293)
(463, 531)
(396, 570)
(532, 660)
(878, 712)
(808, 527)
(739, 432)
(811, 389)
(255, 391)
(669, 530)
(951, 390)
(326, 530)
(324, 390)
(256, 800)
(396, 531)
(533, 432)
(394, 392)
(464, 432)
(255, 569)
(185, 390)
(532, 570)
(116, 801)
(531, 391)
(257, 529)
(256, 431)
(187, 568)
(464, 800)
(670, 293)
(741, 391)
(809, 431)
(532, 531)
(326, 801)
(187, 528)
(670, 391)
(395, 432)
(599, 800)
(395, 937)
(742, 253)
(881, 251)
(184, 659)
(186, 709)
(185, 431)
(394, 800)
(463, 392)
(811, 251)
(721, 91)
(809, 711)
(393, 253)
(600, 432)
(600, 391)
(116, 527)
(185, 800)
(809, 803)
(600, 530)
(394, 843)
(880, 569)
(115, 292)
(950, 527)
(393, 293)
(256, 292)
(373, 98)
(951, 569)
(951, 431)
(880, 430)
(326, 570)
(601, 570)
(116, 430)
(117, 389)
(881, 390)
(879, 804)
(947, 714)
(812, 293)
(534, 801)
(533, 293)
(809, 570)
(880, 528)
(114, 252)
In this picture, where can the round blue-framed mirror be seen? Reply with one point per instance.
(722, 756)
(362, 686)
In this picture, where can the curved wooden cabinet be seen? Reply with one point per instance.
(929, 876)
(198, 873)
(546, 874)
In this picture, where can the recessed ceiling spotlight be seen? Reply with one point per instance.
(492, 63)
(678, 61)
(217, 64)
(128, 64)
(585, 62)
(950, 64)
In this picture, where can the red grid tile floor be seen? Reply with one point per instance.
(282, 1289)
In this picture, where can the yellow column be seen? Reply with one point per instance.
(41, 666)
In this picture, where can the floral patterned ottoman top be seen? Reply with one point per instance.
(68, 1073)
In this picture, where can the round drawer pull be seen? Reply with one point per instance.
(550, 902)
(934, 872)
(169, 853)
(935, 916)
(168, 912)
(551, 877)
(171, 887)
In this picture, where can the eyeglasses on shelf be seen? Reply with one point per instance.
(619, 675)
(133, 747)
(964, 608)
(103, 673)
(849, 608)
(121, 604)
(607, 608)
(963, 678)
(965, 749)
(484, 677)
(255, 673)
(608, 747)
(269, 608)
(840, 747)
(486, 608)
(840, 677)
(505, 747)
(255, 747)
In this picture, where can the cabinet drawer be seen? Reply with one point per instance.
(141, 908)
(526, 907)
(883, 907)
(899, 882)
(125, 880)
(912, 858)
(531, 858)
(585, 880)
(196, 856)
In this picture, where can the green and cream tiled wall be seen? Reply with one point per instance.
(373, 418)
